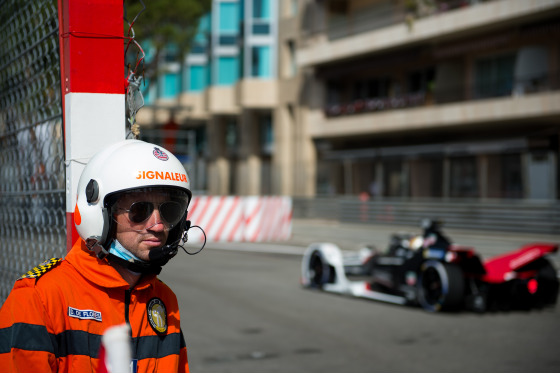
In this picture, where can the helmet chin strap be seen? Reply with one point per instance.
(135, 265)
(158, 257)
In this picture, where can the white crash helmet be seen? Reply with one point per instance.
(124, 166)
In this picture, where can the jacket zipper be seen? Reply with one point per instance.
(127, 294)
(127, 297)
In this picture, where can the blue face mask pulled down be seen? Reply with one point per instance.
(118, 250)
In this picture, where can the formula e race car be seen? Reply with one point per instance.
(428, 270)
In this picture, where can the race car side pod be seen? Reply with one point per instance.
(322, 267)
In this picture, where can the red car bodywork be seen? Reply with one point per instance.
(505, 267)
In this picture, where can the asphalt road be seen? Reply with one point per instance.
(243, 310)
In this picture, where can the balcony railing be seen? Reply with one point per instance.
(376, 104)
(489, 89)
(339, 22)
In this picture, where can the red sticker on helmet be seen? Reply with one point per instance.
(160, 155)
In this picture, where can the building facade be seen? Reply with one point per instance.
(412, 99)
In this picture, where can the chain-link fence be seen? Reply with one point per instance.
(32, 183)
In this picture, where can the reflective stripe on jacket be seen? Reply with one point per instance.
(53, 322)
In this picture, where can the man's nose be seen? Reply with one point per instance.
(155, 222)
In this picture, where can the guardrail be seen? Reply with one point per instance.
(241, 218)
(511, 215)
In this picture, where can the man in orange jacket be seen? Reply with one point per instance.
(130, 214)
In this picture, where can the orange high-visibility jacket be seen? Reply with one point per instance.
(55, 315)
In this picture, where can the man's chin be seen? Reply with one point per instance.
(144, 254)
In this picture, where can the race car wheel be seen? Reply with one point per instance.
(548, 281)
(441, 286)
(320, 272)
(538, 291)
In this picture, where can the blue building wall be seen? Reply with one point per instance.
(198, 78)
(217, 56)
(260, 41)
(227, 70)
(261, 66)
(170, 85)
(229, 17)
(197, 73)
(225, 37)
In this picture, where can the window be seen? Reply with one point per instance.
(512, 178)
(378, 88)
(393, 178)
(147, 91)
(201, 139)
(531, 69)
(261, 28)
(463, 177)
(170, 83)
(266, 176)
(203, 28)
(494, 76)
(292, 66)
(197, 78)
(330, 178)
(227, 40)
(170, 53)
(228, 17)
(199, 49)
(267, 134)
(359, 90)
(334, 92)
(261, 9)
(421, 80)
(228, 70)
(232, 135)
(260, 62)
(201, 39)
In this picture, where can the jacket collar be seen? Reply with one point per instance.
(99, 271)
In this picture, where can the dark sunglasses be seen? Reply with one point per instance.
(170, 211)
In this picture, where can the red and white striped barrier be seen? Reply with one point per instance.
(239, 219)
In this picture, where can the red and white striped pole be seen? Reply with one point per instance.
(92, 80)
